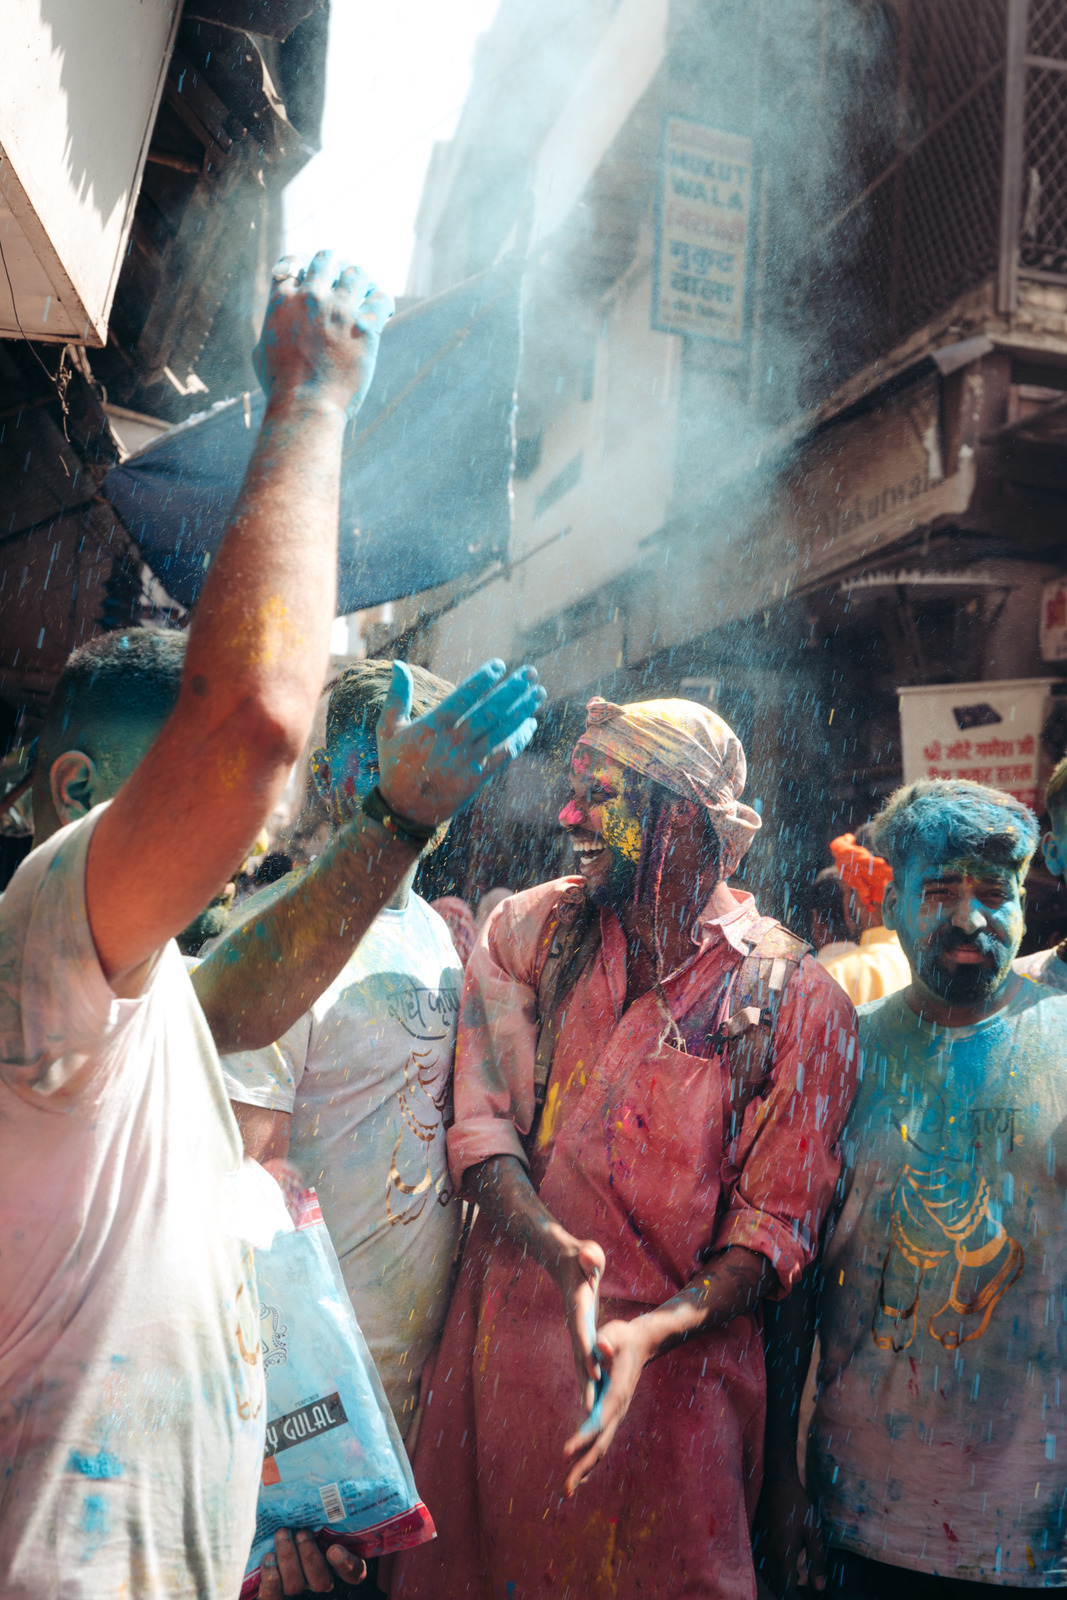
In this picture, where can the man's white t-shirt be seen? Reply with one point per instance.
(131, 1390)
(367, 1076)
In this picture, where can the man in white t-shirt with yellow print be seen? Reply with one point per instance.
(358, 1092)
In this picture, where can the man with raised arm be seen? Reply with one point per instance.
(650, 1079)
(935, 1456)
(131, 1396)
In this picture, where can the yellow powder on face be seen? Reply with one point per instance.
(623, 831)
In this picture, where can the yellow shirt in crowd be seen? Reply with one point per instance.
(876, 968)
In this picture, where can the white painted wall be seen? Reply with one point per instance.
(80, 82)
(626, 437)
(616, 76)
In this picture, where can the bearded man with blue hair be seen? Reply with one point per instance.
(933, 1447)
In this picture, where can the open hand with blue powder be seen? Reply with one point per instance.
(320, 337)
(431, 767)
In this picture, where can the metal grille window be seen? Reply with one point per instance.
(969, 185)
(1043, 198)
(924, 229)
(1048, 29)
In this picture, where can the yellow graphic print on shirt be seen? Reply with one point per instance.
(423, 1112)
(247, 1393)
(944, 1222)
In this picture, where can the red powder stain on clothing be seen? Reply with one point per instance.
(802, 1146)
(949, 1535)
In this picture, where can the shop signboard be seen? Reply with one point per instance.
(1054, 620)
(988, 732)
(873, 478)
(703, 216)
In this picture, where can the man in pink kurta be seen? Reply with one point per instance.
(701, 1069)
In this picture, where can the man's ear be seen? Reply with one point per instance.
(1054, 860)
(890, 900)
(72, 780)
(321, 774)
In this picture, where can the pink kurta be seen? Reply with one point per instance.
(636, 1150)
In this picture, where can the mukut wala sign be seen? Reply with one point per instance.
(703, 211)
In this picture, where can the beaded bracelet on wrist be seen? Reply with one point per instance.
(414, 834)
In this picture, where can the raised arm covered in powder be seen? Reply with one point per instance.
(258, 643)
(268, 971)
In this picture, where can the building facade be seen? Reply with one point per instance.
(231, 117)
(790, 417)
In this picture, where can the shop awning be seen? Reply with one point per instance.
(424, 494)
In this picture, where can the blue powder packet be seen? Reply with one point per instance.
(334, 1460)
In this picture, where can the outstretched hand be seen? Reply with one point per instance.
(321, 332)
(431, 767)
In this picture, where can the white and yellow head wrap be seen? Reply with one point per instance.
(690, 751)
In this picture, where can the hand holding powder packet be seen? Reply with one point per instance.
(334, 1458)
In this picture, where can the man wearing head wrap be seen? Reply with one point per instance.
(650, 1080)
(878, 966)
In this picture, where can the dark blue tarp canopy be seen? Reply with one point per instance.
(424, 490)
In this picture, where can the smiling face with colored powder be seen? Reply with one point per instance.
(959, 854)
(959, 923)
(606, 817)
